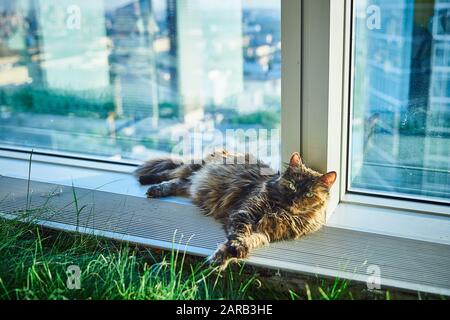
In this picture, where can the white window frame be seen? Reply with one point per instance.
(325, 106)
(313, 84)
(316, 38)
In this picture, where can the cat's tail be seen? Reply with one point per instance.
(155, 167)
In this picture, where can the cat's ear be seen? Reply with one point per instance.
(296, 160)
(328, 179)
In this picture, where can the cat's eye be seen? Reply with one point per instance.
(292, 186)
(309, 194)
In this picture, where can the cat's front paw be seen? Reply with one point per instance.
(236, 249)
(227, 252)
(219, 259)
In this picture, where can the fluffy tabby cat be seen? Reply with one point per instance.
(254, 207)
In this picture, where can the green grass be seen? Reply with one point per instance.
(35, 261)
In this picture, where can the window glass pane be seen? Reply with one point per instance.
(400, 123)
(126, 78)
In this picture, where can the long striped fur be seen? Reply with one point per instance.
(255, 204)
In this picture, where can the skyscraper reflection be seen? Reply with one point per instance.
(118, 78)
(402, 82)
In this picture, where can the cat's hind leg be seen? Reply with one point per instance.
(156, 170)
(174, 187)
(155, 166)
(154, 178)
(182, 172)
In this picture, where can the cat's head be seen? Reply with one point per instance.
(301, 187)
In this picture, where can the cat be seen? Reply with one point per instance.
(255, 204)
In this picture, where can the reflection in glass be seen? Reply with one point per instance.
(118, 78)
(400, 132)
